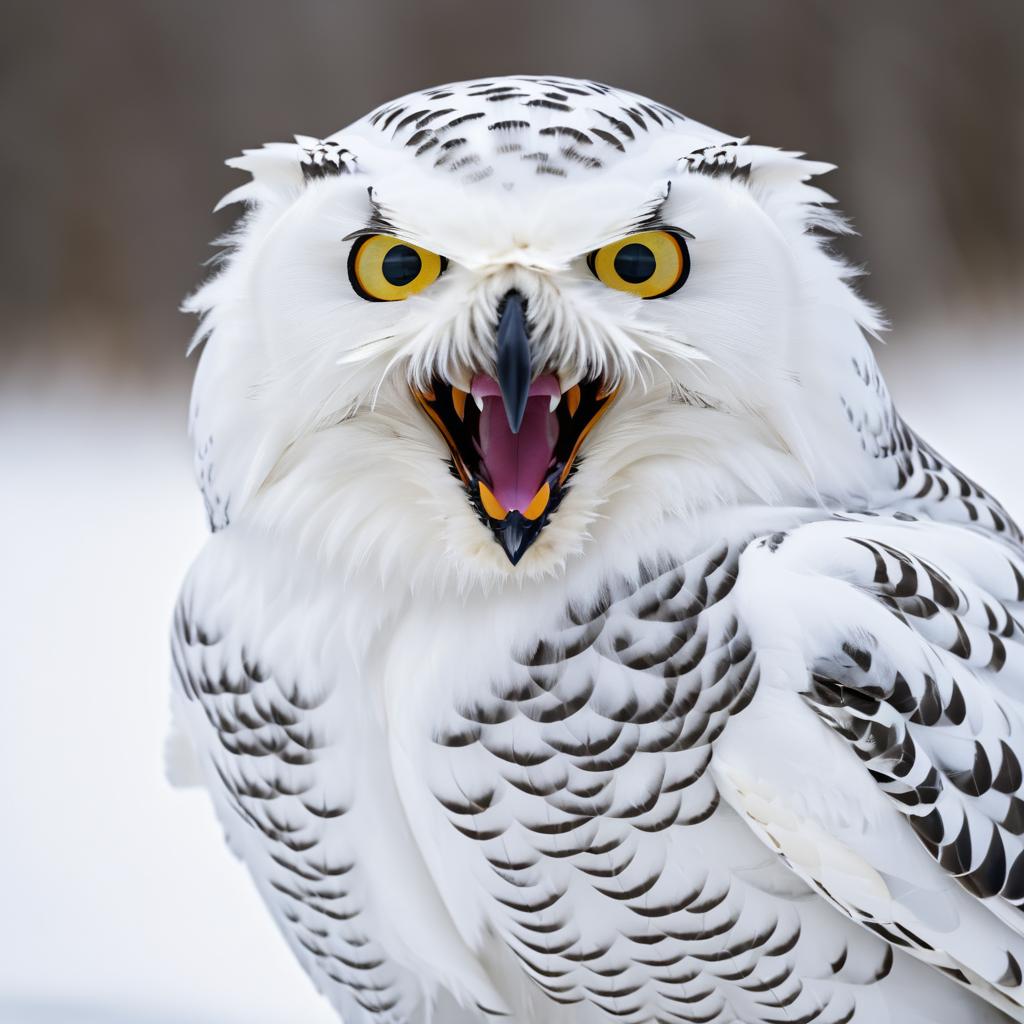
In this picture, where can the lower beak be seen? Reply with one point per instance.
(515, 533)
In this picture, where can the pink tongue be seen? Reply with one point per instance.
(517, 464)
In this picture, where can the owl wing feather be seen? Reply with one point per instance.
(268, 690)
(882, 755)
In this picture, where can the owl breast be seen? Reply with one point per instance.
(577, 797)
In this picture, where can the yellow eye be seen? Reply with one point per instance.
(386, 269)
(649, 264)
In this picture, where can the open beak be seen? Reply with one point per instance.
(514, 440)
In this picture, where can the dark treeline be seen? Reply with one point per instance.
(117, 115)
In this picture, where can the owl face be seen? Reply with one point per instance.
(502, 314)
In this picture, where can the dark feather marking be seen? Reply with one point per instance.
(407, 119)
(1011, 977)
(635, 117)
(433, 116)
(619, 126)
(462, 118)
(549, 105)
(1013, 887)
(471, 806)
(977, 779)
(511, 865)
(558, 828)
(546, 973)
(705, 931)
(532, 908)
(769, 983)
(534, 789)
(1009, 778)
(458, 739)
(487, 89)
(548, 950)
(611, 872)
(631, 894)
(480, 835)
(581, 956)
(664, 909)
(542, 929)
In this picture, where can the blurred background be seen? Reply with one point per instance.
(119, 902)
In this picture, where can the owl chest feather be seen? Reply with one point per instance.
(573, 811)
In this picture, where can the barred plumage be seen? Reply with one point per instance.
(584, 636)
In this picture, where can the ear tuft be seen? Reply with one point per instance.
(779, 170)
(777, 178)
(280, 169)
(780, 181)
(276, 175)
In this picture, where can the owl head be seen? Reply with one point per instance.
(495, 327)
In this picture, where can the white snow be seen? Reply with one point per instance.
(119, 903)
(118, 900)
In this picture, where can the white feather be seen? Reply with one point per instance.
(368, 681)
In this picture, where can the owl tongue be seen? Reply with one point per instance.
(517, 464)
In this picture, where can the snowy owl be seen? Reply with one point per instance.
(582, 635)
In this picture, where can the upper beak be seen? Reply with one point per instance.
(514, 372)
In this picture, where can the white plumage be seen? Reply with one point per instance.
(583, 636)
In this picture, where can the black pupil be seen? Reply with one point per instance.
(635, 263)
(401, 265)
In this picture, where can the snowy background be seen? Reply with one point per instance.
(118, 902)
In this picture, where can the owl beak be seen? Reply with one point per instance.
(515, 479)
(515, 458)
(513, 358)
(515, 533)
